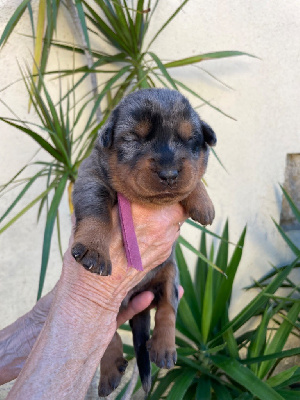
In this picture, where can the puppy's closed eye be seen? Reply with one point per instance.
(131, 137)
(191, 139)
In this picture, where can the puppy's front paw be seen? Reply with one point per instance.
(91, 259)
(205, 215)
(162, 351)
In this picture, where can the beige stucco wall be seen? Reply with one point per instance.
(264, 99)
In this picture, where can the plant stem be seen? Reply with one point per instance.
(70, 189)
(90, 62)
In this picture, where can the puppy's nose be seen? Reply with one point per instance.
(169, 176)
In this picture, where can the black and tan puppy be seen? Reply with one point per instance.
(153, 149)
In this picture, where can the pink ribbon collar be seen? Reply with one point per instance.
(130, 241)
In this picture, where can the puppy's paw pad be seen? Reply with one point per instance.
(121, 364)
(111, 378)
(163, 355)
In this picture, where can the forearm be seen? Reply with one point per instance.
(68, 349)
(16, 342)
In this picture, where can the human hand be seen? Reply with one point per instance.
(156, 230)
(82, 318)
(138, 304)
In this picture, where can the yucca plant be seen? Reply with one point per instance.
(288, 284)
(63, 152)
(219, 358)
(123, 27)
(290, 288)
(131, 65)
(295, 249)
(42, 32)
(136, 65)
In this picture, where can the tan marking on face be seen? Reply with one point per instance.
(202, 164)
(185, 129)
(142, 128)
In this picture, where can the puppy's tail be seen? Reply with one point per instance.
(140, 325)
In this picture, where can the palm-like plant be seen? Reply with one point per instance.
(219, 358)
(131, 65)
(210, 365)
(55, 135)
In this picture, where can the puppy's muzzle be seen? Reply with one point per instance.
(168, 176)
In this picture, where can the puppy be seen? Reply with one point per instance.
(153, 149)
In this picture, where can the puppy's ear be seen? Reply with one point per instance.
(106, 134)
(209, 135)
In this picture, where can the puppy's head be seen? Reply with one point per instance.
(157, 146)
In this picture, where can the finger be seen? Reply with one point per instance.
(180, 291)
(136, 305)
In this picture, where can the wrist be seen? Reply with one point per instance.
(89, 292)
(67, 352)
(76, 311)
